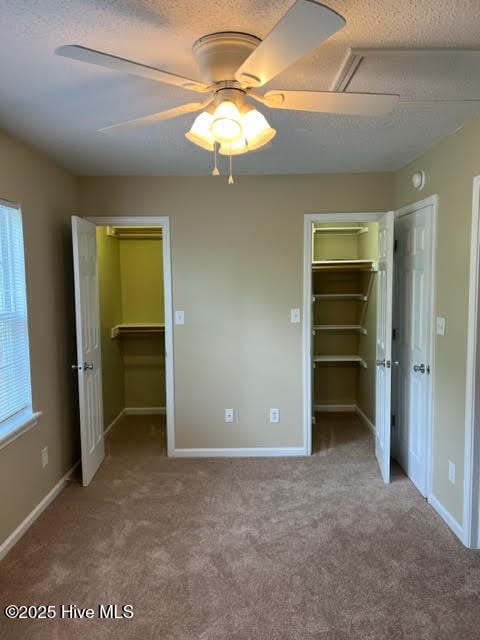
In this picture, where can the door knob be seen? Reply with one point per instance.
(381, 363)
(88, 365)
(419, 368)
(77, 367)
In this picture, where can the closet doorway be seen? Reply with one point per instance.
(124, 331)
(347, 324)
(356, 312)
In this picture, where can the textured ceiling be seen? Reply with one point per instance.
(58, 104)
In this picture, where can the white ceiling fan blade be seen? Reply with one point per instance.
(190, 107)
(305, 25)
(76, 52)
(354, 104)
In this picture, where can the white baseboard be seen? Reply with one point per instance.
(334, 408)
(366, 420)
(114, 422)
(23, 527)
(447, 517)
(241, 452)
(143, 411)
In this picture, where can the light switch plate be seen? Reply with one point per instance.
(229, 415)
(179, 317)
(440, 326)
(294, 316)
(451, 472)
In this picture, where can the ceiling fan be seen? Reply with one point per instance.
(232, 67)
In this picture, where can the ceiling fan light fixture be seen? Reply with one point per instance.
(256, 129)
(200, 133)
(226, 125)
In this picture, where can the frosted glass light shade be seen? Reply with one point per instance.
(256, 129)
(235, 132)
(226, 125)
(235, 148)
(200, 133)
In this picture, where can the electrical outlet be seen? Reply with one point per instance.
(451, 471)
(44, 456)
(274, 414)
(229, 415)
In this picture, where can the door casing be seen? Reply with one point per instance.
(164, 222)
(471, 490)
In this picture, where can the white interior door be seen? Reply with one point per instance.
(88, 365)
(384, 345)
(412, 343)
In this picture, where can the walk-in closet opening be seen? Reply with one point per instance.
(132, 319)
(344, 274)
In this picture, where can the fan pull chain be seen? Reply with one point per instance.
(230, 177)
(215, 171)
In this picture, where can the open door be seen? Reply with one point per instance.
(384, 344)
(88, 346)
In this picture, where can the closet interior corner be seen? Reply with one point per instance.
(344, 317)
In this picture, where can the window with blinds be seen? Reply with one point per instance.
(15, 384)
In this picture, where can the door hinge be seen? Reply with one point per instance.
(392, 421)
(394, 334)
(395, 246)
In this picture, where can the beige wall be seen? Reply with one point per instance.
(141, 272)
(330, 246)
(450, 168)
(113, 383)
(237, 256)
(48, 196)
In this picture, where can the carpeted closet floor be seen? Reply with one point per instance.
(244, 549)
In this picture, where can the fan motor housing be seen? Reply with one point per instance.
(219, 55)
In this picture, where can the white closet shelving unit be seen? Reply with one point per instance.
(136, 329)
(342, 282)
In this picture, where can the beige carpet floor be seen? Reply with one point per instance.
(244, 549)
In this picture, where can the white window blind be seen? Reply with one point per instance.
(15, 384)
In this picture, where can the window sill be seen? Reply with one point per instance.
(16, 427)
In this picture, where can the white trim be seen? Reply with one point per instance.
(335, 408)
(11, 205)
(17, 428)
(114, 422)
(307, 336)
(366, 420)
(23, 527)
(471, 490)
(309, 219)
(145, 411)
(446, 517)
(164, 222)
(418, 204)
(430, 201)
(240, 452)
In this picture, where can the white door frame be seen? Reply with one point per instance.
(400, 213)
(471, 493)
(309, 219)
(164, 222)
